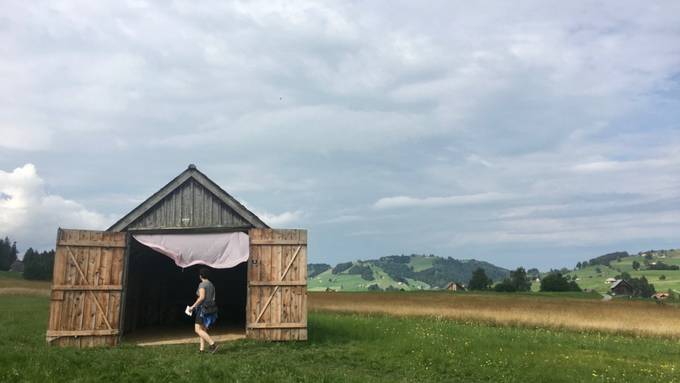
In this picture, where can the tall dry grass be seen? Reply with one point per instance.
(617, 316)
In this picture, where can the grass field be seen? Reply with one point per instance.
(12, 283)
(362, 345)
(532, 310)
(345, 348)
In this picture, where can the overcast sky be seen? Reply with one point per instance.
(526, 133)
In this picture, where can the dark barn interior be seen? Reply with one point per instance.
(158, 291)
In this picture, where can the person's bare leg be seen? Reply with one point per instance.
(200, 330)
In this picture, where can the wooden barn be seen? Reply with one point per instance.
(455, 286)
(142, 272)
(621, 287)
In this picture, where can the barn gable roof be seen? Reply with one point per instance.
(620, 282)
(191, 174)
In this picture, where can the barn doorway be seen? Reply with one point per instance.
(158, 291)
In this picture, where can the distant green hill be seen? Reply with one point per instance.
(598, 270)
(397, 272)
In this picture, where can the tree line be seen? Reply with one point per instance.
(519, 280)
(38, 265)
(8, 253)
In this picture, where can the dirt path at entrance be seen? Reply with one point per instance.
(161, 337)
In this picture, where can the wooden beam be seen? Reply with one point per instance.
(60, 333)
(277, 283)
(192, 230)
(277, 325)
(277, 242)
(84, 243)
(87, 288)
(292, 260)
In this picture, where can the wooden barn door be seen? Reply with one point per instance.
(277, 285)
(86, 288)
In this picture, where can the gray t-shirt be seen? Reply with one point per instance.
(209, 291)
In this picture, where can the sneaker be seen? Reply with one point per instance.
(214, 348)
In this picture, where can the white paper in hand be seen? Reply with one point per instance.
(188, 311)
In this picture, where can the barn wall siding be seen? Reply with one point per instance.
(189, 206)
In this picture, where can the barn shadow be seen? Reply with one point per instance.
(158, 292)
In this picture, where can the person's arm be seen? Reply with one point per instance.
(201, 298)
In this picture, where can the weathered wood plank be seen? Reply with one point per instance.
(277, 283)
(275, 241)
(87, 288)
(278, 325)
(56, 333)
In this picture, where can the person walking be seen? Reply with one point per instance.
(206, 311)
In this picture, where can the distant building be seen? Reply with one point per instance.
(661, 296)
(621, 287)
(17, 267)
(455, 286)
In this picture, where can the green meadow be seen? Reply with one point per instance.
(590, 278)
(345, 348)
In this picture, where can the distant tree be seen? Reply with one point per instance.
(374, 287)
(479, 280)
(641, 287)
(649, 256)
(533, 272)
(636, 265)
(578, 266)
(506, 286)
(598, 270)
(662, 266)
(662, 277)
(8, 253)
(38, 265)
(558, 282)
(520, 280)
(340, 267)
(314, 269)
(365, 271)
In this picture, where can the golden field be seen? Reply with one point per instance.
(617, 316)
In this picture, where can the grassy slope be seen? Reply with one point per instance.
(420, 263)
(354, 282)
(590, 279)
(345, 348)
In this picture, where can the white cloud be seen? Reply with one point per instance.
(325, 107)
(280, 220)
(31, 216)
(455, 200)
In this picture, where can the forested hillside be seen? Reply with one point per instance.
(398, 272)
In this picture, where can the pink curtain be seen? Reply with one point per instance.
(220, 250)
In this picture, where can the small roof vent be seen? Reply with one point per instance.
(192, 166)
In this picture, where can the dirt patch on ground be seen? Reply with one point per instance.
(167, 336)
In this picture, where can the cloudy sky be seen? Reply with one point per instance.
(523, 133)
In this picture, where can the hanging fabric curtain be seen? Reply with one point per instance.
(220, 251)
